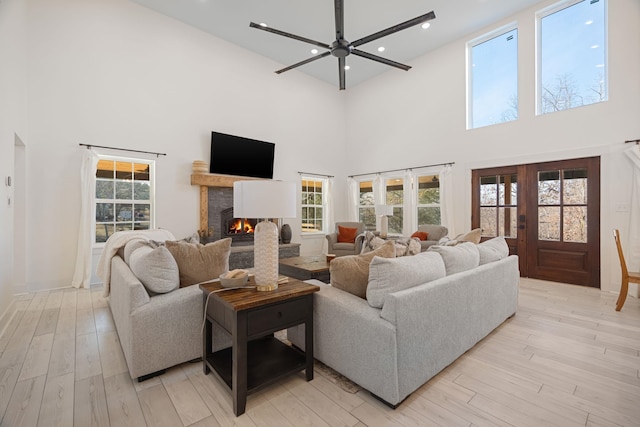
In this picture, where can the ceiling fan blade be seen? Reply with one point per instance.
(403, 26)
(377, 58)
(306, 61)
(341, 73)
(291, 36)
(339, 12)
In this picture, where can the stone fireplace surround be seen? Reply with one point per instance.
(216, 194)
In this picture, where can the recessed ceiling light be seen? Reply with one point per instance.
(589, 22)
(346, 67)
(595, 46)
(426, 25)
(599, 65)
(381, 49)
(262, 24)
(314, 51)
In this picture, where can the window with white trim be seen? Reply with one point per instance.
(313, 204)
(366, 205)
(394, 196)
(572, 55)
(428, 208)
(492, 78)
(124, 196)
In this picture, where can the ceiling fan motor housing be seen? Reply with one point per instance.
(341, 48)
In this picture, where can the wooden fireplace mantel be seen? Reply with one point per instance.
(206, 180)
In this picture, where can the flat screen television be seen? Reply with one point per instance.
(235, 155)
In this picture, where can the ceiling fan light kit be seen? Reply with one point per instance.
(342, 48)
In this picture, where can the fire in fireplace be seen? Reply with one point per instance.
(240, 225)
(239, 229)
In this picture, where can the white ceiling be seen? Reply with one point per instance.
(314, 19)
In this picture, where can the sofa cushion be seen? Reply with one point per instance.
(155, 268)
(458, 258)
(422, 235)
(351, 273)
(493, 250)
(347, 234)
(387, 276)
(198, 263)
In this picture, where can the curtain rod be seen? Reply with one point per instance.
(89, 146)
(637, 141)
(316, 174)
(402, 169)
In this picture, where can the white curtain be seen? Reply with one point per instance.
(446, 198)
(632, 254)
(329, 215)
(82, 273)
(379, 195)
(410, 206)
(352, 200)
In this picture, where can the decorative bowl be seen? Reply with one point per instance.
(233, 282)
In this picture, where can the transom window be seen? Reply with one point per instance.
(493, 78)
(124, 196)
(313, 205)
(572, 55)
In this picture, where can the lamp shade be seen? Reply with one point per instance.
(264, 199)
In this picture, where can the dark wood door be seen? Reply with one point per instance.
(549, 214)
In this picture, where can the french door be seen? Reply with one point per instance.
(549, 214)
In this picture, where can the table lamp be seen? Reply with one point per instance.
(264, 200)
(383, 211)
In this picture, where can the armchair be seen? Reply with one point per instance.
(341, 248)
(436, 232)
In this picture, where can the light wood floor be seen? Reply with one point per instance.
(567, 358)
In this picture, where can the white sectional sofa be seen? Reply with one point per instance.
(435, 314)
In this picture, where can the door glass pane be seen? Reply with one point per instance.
(549, 223)
(574, 226)
(507, 222)
(508, 190)
(488, 221)
(549, 188)
(488, 190)
(574, 186)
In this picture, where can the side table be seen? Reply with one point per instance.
(256, 358)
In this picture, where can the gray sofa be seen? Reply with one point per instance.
(436, 232)
(419, 331)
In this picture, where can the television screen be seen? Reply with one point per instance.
(235, 155)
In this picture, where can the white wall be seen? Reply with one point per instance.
(12, 122)
(117, 74)
(414, 118)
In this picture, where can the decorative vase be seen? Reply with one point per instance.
(285, 233)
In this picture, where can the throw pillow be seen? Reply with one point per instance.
(462, 257)
(198, 263)
(472, 236)
(422, 235)
(351, 273)
(387, 276)
(347, 234)
(131, 246)
(194, 238)
(155, 268)
(493, 250)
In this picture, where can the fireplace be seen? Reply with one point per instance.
(239, 229)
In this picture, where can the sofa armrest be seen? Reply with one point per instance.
(359, 242)
(126, 292)
(332, 239)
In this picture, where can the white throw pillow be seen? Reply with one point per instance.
(132, 245)
(461, 257)
(156, 269)
(493, 250)
(389, 275)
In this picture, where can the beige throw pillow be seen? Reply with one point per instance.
(387, 276)
(155, 268)
(351, 273)
(472, 236)
(198, 263)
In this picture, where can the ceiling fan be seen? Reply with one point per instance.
(342, 48)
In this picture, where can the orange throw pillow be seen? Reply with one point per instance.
(422, 235)
(347, 234)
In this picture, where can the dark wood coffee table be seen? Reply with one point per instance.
(256, 358)
(306, 267)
